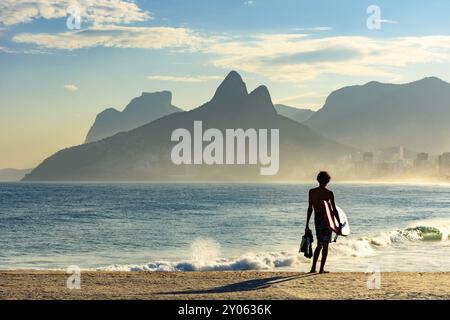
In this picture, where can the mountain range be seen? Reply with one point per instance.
(378, 115)
(373, 116)
(297, 114)
(151, 106)
(144, 153)
(140, 110)
(11, 174)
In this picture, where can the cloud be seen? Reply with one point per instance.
(93, 11)
(26, 51)
(249, 2)
(334, 54)
(6, 50)
(298, 57)
(115, 37)
(185, 79)
(71, 87)
(314, 29)
(284, 57)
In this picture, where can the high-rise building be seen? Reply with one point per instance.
(444, 163)
(422, 156)
(368, 158)
(421, 162)
(401, 153)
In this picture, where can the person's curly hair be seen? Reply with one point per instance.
(323, 177)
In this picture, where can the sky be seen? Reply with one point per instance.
(58, 72)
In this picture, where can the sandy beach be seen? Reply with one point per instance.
(222, 285)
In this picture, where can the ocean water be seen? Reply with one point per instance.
(161, 227)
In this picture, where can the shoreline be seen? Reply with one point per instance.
(222, 285)
(399, 181)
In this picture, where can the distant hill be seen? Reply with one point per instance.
(13, 174)
(377, 115)
(141, 110)
(144, 153)
(299, 115)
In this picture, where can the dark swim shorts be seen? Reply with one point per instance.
(323, 233)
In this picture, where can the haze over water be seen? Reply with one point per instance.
(151, 226)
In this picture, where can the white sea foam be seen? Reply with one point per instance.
(426, 230)
(204, 250)
(249, 261)
(205, 253)
(352, 247)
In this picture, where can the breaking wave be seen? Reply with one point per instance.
(205, 253)
(250, 261)
(437, 230)
(205, 256)
(434, 230)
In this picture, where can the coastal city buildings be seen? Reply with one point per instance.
(397, 163)
(444, 164)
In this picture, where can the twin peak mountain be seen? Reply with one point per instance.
(230, 97)
(143, 153)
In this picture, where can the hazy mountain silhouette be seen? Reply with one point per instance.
(376, 115)
(140, 110)
(11, 174)
(144, 153)
(299, 115)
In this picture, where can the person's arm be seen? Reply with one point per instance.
(310, 210)
(335, 212)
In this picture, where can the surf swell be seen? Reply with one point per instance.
(249, 261)
(205, 253)
(421, 231)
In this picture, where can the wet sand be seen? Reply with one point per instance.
(222, 285)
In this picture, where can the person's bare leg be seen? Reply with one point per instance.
(316, 257)
(324, 258)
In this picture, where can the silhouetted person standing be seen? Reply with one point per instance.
(323, 232)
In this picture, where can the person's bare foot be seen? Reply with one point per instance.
(324, 271)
